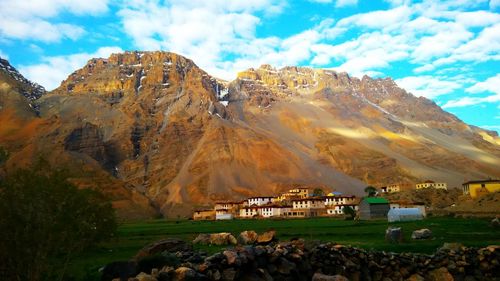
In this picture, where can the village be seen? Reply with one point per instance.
(305, 202)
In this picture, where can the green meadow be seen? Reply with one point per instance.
(364, 234)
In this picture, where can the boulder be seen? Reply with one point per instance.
(394, 234)
(203, 239)
(119, 269)
(266, 237)
(166, 245)
(423, 233)
(451, 247)
(495, 222)
(231, 256)
(184, 273)
(440, 274)
(223, 238)
(323, 277)
(228, 274)
(247, 237)
(415, 277)
(145, 277)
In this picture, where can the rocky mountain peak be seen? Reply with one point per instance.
(130, 72)
(30, 90)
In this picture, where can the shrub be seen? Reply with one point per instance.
(45, 221)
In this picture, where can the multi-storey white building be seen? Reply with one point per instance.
(259, 201)
(249, 212)
(274, 211)
(308, 203)
(340, 200)
(334, 210)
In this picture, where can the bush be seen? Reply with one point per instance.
(45, 221)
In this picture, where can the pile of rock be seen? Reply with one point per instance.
(245, 238)
(357, 264)
(295, 261)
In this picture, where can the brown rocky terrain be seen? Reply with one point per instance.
(158, 133)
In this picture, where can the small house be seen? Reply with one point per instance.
(204, 215)
(397, 187)
(404, 204)
(431, 184)
(480, 187)
(373, 208)
(404, 214)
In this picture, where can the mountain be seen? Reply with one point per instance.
(157, 132)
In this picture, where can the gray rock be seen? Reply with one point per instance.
(323, 277)
(423, 233)
(223, 238)
(266, 237)
(165, 245)
(203, 239)
(232, 257)
(184, 273)
(394, 234)
(229, 274)
(495, 222)
(247, 237)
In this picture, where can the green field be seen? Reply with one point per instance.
(365, 234)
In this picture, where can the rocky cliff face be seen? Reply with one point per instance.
(158, 125)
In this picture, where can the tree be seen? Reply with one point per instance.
(45, 221)
(370, 190)
(318, 192)
(349, 212)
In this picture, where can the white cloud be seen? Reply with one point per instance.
(490, 85)
(428, 86)
(208, 31)
(477, 18)
(53, 70)
(31, 19)
(345, 3)
(382, 19)
(321, 1)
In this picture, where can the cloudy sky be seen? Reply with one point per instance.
(447, 51)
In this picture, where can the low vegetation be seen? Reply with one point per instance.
(46, 222)
(365, 234)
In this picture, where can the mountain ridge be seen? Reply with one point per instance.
(155, 125)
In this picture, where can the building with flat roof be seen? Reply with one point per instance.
(431, 184)
(480, 187)
(373, 208)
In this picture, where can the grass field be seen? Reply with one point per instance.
(365, 234)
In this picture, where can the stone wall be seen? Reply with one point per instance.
(295, 260)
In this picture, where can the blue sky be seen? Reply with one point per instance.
(448, 51)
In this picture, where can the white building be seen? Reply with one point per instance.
(259, 201)
(402, 204)
(273, 211)
(431, 184)
(340, 200)
(336, 210)
(308, 203)
(249, 212)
